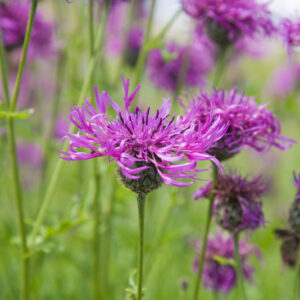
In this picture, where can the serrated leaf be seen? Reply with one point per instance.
(25, 114)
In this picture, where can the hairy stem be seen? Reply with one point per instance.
(239, 269)
(205, 236)
(141, 209)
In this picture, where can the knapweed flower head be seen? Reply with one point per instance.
(290, 246)
(165, 66)
(13, 21)
(237, 204)
(290, 31)
(250, 125)
(227, 20)
(219, 273)
(294, 214)
(145, 146)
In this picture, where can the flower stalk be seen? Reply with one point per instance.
(238, 262)
(141, 209)
(144, 51)
(205, 236)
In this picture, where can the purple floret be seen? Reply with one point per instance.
(243, 195)
(222, 277)
(13, 21)
(290, 31)
(165, 66)
(170, 144)
(237, 18)
(297, 184)
(250, 125)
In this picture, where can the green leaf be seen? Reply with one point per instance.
(224, 261)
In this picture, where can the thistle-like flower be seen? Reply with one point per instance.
(289, 247)
(13, 20)
(227, 20)
(250, 125)
(219, 273)
(290, 31)
(237, 204)
(294, 215)
(148, 148)
(165, 66)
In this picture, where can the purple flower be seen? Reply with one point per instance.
(290, 246)
(13, 21)
(237, 204)
(290, 32)
(165, 66)
(284, 80)
(250, 125)
(204, 191)
(221, 277)
(139, 141)
(297, 184)
(228, 20)
(31, 158)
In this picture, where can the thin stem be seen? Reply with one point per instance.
(144, 51)
(220, 67)
(141, 208)
(12, 147)
(24, 54)
(296, 295)
(19, 203)
(55, 175)
(168, 25)
(4, 72)
(205, 236)
(96, 237)
(91, 27)
(238, 262)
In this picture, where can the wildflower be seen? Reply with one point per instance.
(219, 273)
(13, 21)
(237, 203)
(228, 20)
(165, 66)
(147, 147)
(294, 215)
(289, 247)
(290, 31)
(250, 125)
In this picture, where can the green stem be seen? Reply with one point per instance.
(141, 209)
(296, 295)
(12, 147)
(96, 238)
(168, 25)
(220, 67)
(205, 236)
(91, 27)
(144, 51)
(238, 262)
(24, 55)
(55, 175)
(4, 72)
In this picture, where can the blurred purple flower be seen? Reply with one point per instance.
(297, 184)
(164, 66)
(61, 128)
(222, 277)
(13, 21)
(237, 204)
(138, 140)
(290, 31)
(204, 191)
(228, 20)
(284, 80)
(250, 125)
